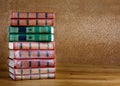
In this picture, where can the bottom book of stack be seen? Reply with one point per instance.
(32, 76)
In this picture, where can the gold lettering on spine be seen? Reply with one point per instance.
(40, 37)
(10, 37)
(14, 29)
(33, 28)
(47, 37)
(27, 28)
(40, 29)
(46, 29)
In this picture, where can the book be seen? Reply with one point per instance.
(32, 29)
(32, 45)
(31, 37)
(32, 76)
(32, 22)
(32, 71)
(31, 63)
(32, 54)
(36, 15)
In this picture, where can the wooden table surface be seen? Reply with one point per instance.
(72, 75)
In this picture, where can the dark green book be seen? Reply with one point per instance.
(31, 37)
(33, 29)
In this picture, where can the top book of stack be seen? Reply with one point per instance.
(32, 19)
(32, 15)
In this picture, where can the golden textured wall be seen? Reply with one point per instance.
(86, 31)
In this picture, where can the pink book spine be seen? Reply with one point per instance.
(33, 76)
(33, 15)
(32, 71)
(32, 63)
(32, 45)
(32, 22)
(32, 54)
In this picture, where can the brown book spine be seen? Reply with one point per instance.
(32, 15)
(32, 22)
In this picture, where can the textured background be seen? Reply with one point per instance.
(86, 31)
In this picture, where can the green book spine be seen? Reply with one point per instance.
(31, 37)
(33, 29)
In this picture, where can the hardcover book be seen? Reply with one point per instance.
(32, 76)
(31, 37)
(31, 63)
(32, 22)
(32, 54)
(32, 71)
(32, 29)
(32, 45)
(33, 15)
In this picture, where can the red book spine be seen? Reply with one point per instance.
(32, 63)
(32, 54)
(32, 45)
(32, 71)
(32, 22)
(32, 15)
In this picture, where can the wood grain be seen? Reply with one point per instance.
(86, 31)
(72, 75)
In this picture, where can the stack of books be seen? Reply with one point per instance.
(31, 45)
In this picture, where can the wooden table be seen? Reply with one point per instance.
(71, 75)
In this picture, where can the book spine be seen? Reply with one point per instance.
(33, 63)
(33, 76)
(32, 22)
(32, 15)
(33, 29)
(32, 45)
(32, 70)
(30, 54)
(31, 37)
